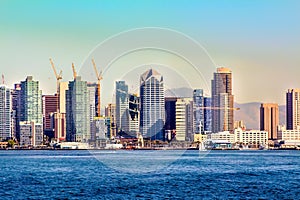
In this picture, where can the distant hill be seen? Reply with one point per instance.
(249, 113)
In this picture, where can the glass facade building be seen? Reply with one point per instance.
(152, 105)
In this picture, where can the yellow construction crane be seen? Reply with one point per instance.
(58, 78)
(99, 78)
(74, 71)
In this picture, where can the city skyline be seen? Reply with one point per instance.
(257, 42)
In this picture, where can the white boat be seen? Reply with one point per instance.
(202, 147)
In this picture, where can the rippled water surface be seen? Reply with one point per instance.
(149, 175)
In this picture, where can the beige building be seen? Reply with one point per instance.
(269, 119)
(183, 119)
(225, 135)
(255, 137)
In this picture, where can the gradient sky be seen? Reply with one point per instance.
(258, 39)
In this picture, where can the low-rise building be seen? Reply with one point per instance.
(224, 136)
(251, 137)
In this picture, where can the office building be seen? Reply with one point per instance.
(77, 111)
(134, 115)
(269, 119)
(184, 119)
(292, 109)
(92, 90)
(110, 112)
(16, 109)
(207, 112)
(31, 101)
(222, 101)
(255, 138)
(198, 100)
(5, 113)
(122, 106)
(31, 134)
(152, 108)
(50, 104)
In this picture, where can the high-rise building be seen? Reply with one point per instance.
(31, 133)
(184, 119)
(134, 114)
(50, 104)
(222, 98)
(31, 111)
(110, 112)
(16, 109)
(31, 101)
(92, 90)
(77, 111)
(292, 109)
(269, 119)
(122, 106)
(5, 113)
(170, 123)
(198, 100)
(152, 106)
(207, 127)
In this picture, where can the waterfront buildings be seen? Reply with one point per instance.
(134, 114)
(292, 109)
(122, 106)
(184, 119)
(289, 135)
(30, 113)
(269, 119)
(198, 104)
(77, 111)
(207, 112)
(31, 101)
(50, 105)
(5, 113)
(16, 109)
(92, 89)
(31, 134)
(251, 137)
(152, 107)
(222, 101)
(222, 136)
(110, 112)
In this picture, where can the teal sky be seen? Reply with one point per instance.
(258, 39)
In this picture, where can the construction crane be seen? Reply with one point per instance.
(58, 78)
(99, 78)
(74, 71)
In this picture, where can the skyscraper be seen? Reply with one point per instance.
(269, 119)
(198, 100)
(134, 114)
(222, 101)
(207, 126)
(110, 112)
(31, 101)
(152, 105)
(184, 119)
(16, 109)
(293, 109)
(122, 106)
(31, 112)
(5, 113)
(77, 111)
(92, 90)
(50, 104)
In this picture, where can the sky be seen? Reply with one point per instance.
(259, 40)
